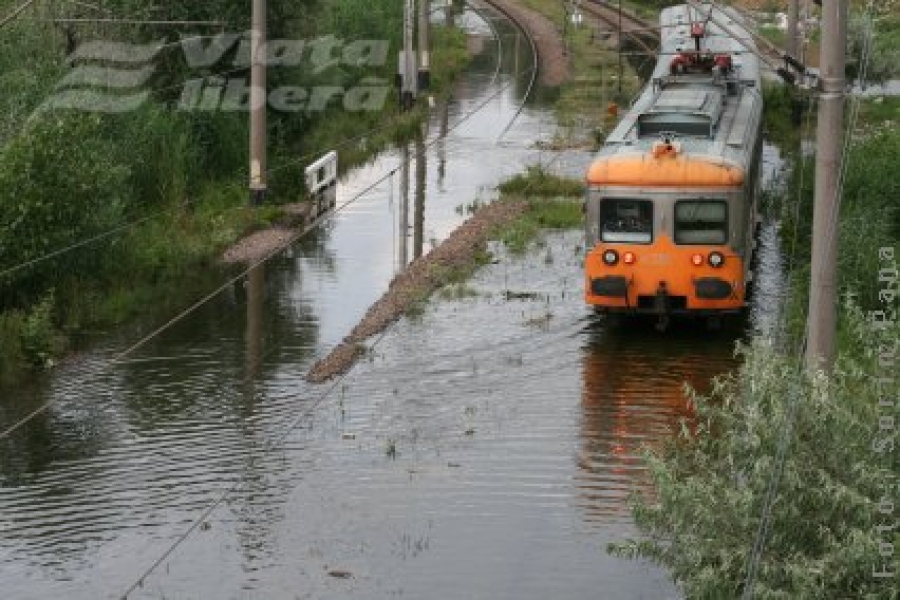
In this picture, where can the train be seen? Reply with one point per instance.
(672, 196)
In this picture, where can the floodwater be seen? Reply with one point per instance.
(485, 448)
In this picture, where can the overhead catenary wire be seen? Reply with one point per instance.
(122, 228)
(274, 445)
(120, 356)
(321, 398)
(144, 340)
(15, 13)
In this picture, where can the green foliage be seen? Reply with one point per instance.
(537, 181)
(711, 481)
(40, 341)
(554, 202)
(59, 184)
(161, 153)
(869, 217)
(29, 339)
(884, 55)
(449, 57)
(881, 112)
(785, 109)
(365, 19)
(12, 360)
(542, 213)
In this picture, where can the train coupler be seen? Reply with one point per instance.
(661, 306)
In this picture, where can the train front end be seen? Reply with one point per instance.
(666, 235)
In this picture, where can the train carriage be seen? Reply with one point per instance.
(671, 207)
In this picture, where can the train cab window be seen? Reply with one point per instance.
(628, 221)
(701, 222)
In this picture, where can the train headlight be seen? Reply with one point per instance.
(716, 259)
(697, 260)
(629, 258)
(610, 257)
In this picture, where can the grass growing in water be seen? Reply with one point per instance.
(537, 181)
(554, 202)
(582, 101)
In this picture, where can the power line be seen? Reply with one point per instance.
(143, 341)
(11, 16)
(208, 510)
(121, 355)
(75, 246)
(140, 22)
(118, 358)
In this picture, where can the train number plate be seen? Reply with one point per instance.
(658, 259)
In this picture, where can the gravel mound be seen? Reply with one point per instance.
(418, 281)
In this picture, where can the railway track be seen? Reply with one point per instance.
(643, 33)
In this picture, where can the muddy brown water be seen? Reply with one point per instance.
(484, 448)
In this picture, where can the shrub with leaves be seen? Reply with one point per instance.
(59, 184)
(712, 480)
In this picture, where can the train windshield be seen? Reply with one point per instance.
(629, 221)
(701, 222)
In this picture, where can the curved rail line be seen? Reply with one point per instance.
(523, 28)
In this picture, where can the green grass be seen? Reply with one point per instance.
(879, 111)
(358, 136)
(536, 181)
(457, 291)
(542, 213)
(581, 104)
(712, 479)
(155, 267)
(553, 202)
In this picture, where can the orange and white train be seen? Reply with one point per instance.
(671, 207)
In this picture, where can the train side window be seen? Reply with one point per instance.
(627, 221)
(701, 222)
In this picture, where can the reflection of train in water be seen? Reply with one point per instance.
(672, 195)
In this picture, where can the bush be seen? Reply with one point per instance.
(711, 482)
(40, 341)
(869, 217)
(59, 183)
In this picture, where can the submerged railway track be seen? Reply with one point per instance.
(644, 34)
(484, 440)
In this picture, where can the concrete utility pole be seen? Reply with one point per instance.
(408, 71)
(829, 140)
(791, 45)
(619, 42)
(424, 44)
(258, 102)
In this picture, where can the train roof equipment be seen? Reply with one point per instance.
(697, 122)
